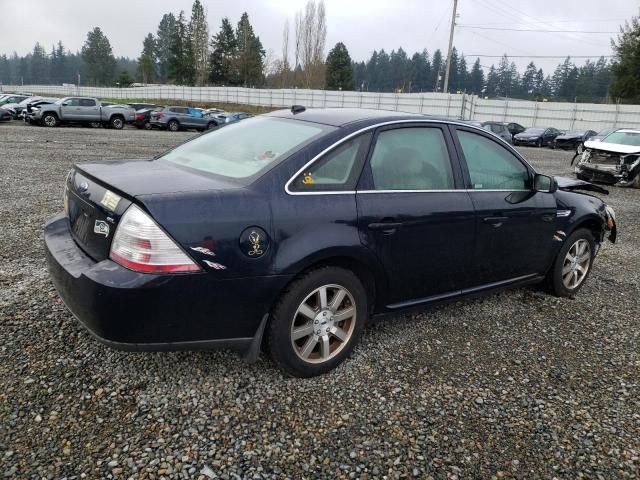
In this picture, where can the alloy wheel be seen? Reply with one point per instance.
(323, 323)
(576, 264)
(50, 121)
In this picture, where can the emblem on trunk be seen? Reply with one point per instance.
(101, 228)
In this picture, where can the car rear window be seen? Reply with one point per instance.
(244, 149)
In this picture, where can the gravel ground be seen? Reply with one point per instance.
(516, 385)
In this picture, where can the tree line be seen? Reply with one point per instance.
(183, 52)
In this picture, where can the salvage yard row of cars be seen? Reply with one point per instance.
(52, 112)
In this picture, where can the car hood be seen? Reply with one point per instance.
(612, 147)
(571, 184)
(151, 177)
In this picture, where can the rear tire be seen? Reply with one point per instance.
(173, 126)
(116, 122)
(573, 264)
(317, 322)
(50, 120)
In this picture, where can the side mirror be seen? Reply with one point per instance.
(544, 183)
(65, 104)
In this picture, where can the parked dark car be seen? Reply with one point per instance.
(181, 118)
(5, 115)
(515, 128)
(536, 136)
(143, 118)
(143, 106)
(614, 160)
(571, 139)
(295, 228)
(500, 129)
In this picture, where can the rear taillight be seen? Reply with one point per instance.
(139, 116)
(140, 244)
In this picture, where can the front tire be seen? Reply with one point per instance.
(317, 322)
(572, 266)
(49, 120)
(173, 126)
(539, 143)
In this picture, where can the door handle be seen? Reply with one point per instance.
(495, 221)
(385, 227)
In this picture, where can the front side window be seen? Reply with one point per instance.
(491, 166)
(336, 170)
(411, 159)
(244, 149)
(72, 102)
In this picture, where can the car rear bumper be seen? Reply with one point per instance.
(138, 311)
(520, 141)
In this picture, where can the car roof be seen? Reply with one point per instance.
(338, 117)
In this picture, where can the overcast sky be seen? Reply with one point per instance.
(363, 25)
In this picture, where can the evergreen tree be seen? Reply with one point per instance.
(360, 75)
(384, 72)
(529, 80)
(165, 34)
(625, 68)
(437, 69)
(420, 71)
(180, 68)
(199, 37)
(476, 78)
(98, 57)
(148, 59)
(339, 70)
(5, 70)
(493, 81)
(399, 70)
(372, 73)
(250, 53)
(462, 84)
(38, 65)
(124, 79)
(453, 72)
(222, 62)
(58, 70)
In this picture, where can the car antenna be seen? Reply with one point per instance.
(297, 109)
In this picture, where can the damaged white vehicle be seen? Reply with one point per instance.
(615, 160)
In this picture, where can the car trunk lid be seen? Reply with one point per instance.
(98, 193)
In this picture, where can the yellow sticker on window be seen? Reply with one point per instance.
(110, 200)
(307, 179)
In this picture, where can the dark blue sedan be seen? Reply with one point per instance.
(291, 229)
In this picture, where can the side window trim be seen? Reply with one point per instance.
(463, 162)
(358, 166)
(365, 185)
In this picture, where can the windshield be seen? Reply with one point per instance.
(623, 138)
(243, 149)
(534, 130)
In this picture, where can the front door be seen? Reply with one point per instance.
(70, 110)
(414, 213)
(515, 224)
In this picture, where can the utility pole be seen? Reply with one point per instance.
(453, 26)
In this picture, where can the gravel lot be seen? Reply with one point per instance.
(516, 385)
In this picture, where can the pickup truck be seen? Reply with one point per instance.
(83, 110)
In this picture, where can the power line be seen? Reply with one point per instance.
(540, 56)
(530, 30)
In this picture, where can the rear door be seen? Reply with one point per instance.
(89, 110)
(515, 224)
(414, 213)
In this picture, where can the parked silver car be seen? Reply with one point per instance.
(181, 118)
(82, 110)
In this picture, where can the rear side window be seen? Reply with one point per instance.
(491, 166)
(411, 159)
(85, 102)
(338, 170)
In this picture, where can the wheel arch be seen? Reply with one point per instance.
(591, 223)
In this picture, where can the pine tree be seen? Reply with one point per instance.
(180, 68)
(199, 36)
(147, 60)
(476, 78)
(420, 71)
(222, 61)
(250, 53)
(372, 73)
(625, 68)
(165, 34)
(437, 69)
(493, 80)
(529, 80)
(462, 84)
(58, 64)
(339, 70)
(38, 65)
(5, 69)
(384, 72)
(399, 70)
(98, 57)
